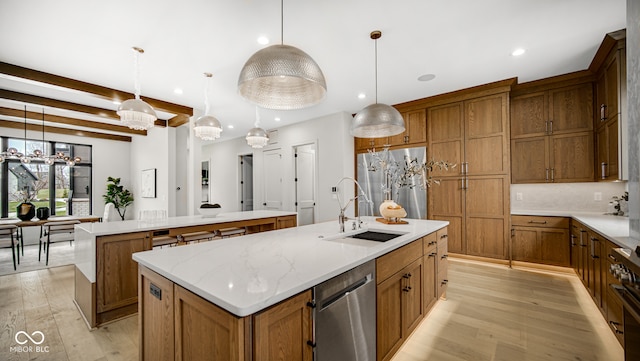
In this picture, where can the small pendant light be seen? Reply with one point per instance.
(377, 120)
(257, 137)
(135, 113)
(207, 127)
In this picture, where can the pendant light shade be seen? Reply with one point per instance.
(257, 137)
(207, 127)
(282, 77)
(377, 120)
(135, 113)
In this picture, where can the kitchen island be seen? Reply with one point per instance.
(106, 281)
(248, 286)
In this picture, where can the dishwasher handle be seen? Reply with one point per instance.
(345, 292)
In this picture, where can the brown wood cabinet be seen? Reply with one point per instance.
(611, 106)
(430, 264)
(364, 144)
(399, 277)
(443, 264)
(415, 123)
(551, 135)
(541, 240)
(473, 197)
(287, 222)
(282, 332)
(177, 324)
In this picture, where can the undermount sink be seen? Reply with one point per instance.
(376, 236)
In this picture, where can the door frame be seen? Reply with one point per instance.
(316, 175)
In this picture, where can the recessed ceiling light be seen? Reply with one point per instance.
(230, 126)
(518, 52)
(276, 119)
(263, 40)
(177, 91)
(426, 77)
(362, 96)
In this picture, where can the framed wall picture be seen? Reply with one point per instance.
(148, 189)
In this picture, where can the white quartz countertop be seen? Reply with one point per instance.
(614, 228)
(247, 274)
(107, 228)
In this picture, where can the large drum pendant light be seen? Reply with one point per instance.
(377, 120)
(135, 113)
(282, 77)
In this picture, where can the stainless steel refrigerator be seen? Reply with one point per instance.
(413, 199)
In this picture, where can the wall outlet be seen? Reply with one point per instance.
(518, 196)
(597, 196)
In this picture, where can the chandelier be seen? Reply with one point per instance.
(377, 120)
(37, 154)
(257, 137)
(282, 77)
(135, 113)
(207, 127)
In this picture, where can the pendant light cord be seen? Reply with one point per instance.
(206, 93)
(281, 22)
(257, 123)
(25, 130)
(136, 71)
(43, 132)
(376, 64)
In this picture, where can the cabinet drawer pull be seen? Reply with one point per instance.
(611, 257)
(406, 275)
(444, 236)
(311, 343)
(603, 170)
(433, 254)
(603, 112)
(538, 222)
(444, 282)
(444, 256)
(546, 176)
(551, 127)
(615, 325)
(432, 243)
(407, 289)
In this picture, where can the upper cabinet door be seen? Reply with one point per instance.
(529, 115)
(571, 109)
(486, 136)
(446, 137)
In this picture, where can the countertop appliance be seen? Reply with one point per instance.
(345, 316)
(628, 272)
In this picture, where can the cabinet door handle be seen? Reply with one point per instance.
(311, 343)
(615, 325)
(432, 254)
(444, 282)
(444, 256)
(611, 257)
(538, 222)
(546, 176)
(444, 236)
(551, 127)
(407, 289)
(462, 183)
(603, 112)
(553, 174)
(603, 170)
(546, 127)
(406, 275)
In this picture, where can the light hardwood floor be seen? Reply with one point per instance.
(492, 313)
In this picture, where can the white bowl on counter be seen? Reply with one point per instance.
(209, 212)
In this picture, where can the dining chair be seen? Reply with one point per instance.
(53, 232)
(9, 239)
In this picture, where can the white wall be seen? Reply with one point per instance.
(335, 160)
(565, 196)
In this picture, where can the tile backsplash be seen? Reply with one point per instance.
(566, 196)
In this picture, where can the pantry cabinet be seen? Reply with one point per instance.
(473, 196)
(552, 135)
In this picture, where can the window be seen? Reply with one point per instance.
(65, 190)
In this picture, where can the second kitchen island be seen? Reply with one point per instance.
(251, 298)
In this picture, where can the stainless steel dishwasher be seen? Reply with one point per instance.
(345, 316)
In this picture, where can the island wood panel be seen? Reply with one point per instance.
(287, 222)
(204, 331)
(156, 316)
(117, 281)
(389, 320)
(414, 295)
(281, 332)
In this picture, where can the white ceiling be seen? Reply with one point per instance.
(463, 42)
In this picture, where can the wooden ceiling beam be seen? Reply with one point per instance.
(66, 131)
(60, 104)
(93, 89)
(69, 121)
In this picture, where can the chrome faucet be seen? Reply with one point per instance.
(341, 217)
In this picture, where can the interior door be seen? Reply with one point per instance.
(272, 179)
(246, 182)
(305, 179)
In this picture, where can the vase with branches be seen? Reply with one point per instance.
(118, 195)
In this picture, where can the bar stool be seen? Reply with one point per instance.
(9, 239)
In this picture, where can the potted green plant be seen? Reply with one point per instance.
(118, 195)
